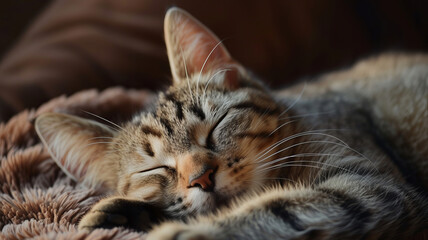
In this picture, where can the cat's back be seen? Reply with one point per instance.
(389, 92)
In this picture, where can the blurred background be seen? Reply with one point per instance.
(49, 48)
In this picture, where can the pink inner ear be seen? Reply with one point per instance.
(200, 47)
(207, 51)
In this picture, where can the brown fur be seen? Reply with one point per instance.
(239, 161)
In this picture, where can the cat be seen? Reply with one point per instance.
(220, 156)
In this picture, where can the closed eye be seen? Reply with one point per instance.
(159, 167)
(209, 144)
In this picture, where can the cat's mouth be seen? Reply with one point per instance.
(216, 200)
(220, 200)
(206, 202)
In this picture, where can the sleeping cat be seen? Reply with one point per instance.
(220, 156)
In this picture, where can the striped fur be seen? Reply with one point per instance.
(319, 161)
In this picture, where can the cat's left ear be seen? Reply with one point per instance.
(80, 148)
(194, 49)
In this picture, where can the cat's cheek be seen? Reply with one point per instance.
(181, 231)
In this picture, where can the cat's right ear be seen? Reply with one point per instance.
(79, 147)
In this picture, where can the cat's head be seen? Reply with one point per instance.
(203, 143)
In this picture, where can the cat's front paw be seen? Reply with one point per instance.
(120, 212)
(181, 231)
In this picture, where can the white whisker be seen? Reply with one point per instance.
(311, 132)
(280, 126)
(294, 103)
(108, 121)
(212, 77)
(307, 115)
(294, 165)
(323, 142)
(93, 143)
(205, 62)
(187, 75)
(298, 144)
(100, 138)
(307, 161)
(260, 120)
(300, 155)
(261, 185)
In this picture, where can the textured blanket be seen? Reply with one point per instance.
(37, 200)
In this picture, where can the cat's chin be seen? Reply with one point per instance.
(220, 201)
(208, 202)
(216, 200)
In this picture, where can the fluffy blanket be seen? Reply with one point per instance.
(37, 200)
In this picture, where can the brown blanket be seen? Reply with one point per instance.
(37, 200)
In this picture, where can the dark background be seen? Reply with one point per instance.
(279, 40)
(15, 17)
(380, 24)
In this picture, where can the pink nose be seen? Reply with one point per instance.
(204, 180)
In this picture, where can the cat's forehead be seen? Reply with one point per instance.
(187, 102)
(187, 107)
(194, 98)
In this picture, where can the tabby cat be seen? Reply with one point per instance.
(220, 156)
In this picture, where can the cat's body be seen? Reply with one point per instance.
(332, 159)
(385, 97)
